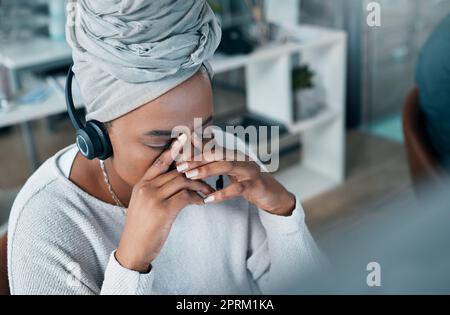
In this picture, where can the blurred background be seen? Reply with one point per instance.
(334, 84)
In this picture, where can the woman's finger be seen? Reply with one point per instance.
(243, 170)
(232, 191)
(182, 183)
(165, 178)
(163, 162)
(219, 154)
(182, 199)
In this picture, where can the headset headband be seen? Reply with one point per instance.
(69, 101)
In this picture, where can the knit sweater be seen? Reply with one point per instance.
(62, 240)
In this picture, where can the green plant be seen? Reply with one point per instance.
(302, 77)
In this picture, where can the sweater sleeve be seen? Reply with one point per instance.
(42, 258)
(122, 281)
(284, 251)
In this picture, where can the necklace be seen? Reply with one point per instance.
(108, 184)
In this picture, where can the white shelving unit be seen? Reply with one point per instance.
(268, 85)
(324, 50)
(269, 93)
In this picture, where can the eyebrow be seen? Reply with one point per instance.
(168, 133)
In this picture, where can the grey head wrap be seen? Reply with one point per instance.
(129, 52)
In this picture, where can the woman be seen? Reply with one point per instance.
(134, 224)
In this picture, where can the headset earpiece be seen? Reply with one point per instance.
(92, 139)
(103, 138)
(85, 139)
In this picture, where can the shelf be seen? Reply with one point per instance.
(54, 104)
(40, 52)
(301, 38)
(43, 51)
(223, 63)
(322, 118)
(305, 182)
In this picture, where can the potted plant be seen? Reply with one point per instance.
(307, 99)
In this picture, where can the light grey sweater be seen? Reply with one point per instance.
(62, 241)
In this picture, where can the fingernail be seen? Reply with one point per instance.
(202, 194)
(192, 173)
(209, 199)
(182, 167)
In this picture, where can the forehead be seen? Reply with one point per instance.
(179, 106)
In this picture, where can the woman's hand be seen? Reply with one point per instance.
(155, 203)
(247, 180)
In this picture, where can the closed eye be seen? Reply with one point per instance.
(162, 146)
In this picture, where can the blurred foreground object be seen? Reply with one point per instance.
(424, 164)
(407, 242)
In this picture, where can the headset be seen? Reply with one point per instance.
(92, 139)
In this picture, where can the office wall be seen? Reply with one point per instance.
(381, 60)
